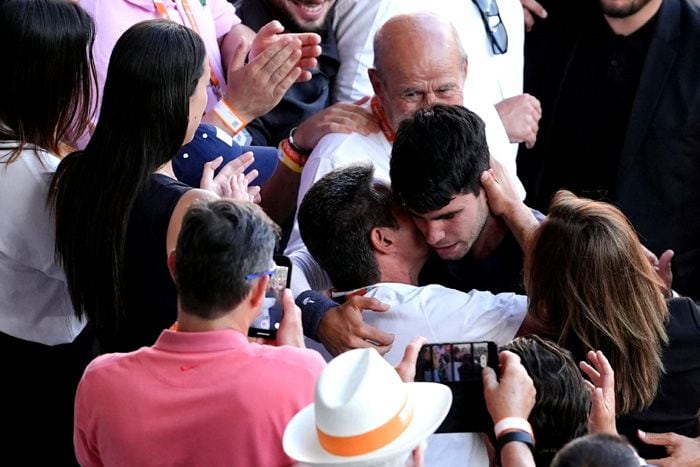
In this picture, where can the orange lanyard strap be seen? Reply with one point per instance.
(163, 12)
(383, 122)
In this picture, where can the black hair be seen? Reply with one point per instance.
(336, 218)
(48, 73)
(221, 242)
(153, 71)
(596, 450)
(438, 154)
(563, 402)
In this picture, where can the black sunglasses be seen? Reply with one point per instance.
(493, 24)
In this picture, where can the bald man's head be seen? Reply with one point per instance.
(418, 61)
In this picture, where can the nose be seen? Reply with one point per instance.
(433, 233)
(430, 98)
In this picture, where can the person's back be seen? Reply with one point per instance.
(203, 394)
(192, 399)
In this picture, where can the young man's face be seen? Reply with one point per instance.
(452, 230)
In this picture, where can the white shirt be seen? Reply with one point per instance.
(34, 300)
(443, 315)
(490, 77)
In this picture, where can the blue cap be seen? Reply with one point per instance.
(210, 142)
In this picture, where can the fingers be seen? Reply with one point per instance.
(252, 175)
(407, 367)
(529, 19)
(290, 331)
(590, 371)
(658, 439)
(308, 39)
(368, 303)
(376, 336)
(254, 194)
(362, 100)
(237, 165)
(269, 30)
(534, 8)
(665, 259)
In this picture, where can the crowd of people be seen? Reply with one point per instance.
(512, 172)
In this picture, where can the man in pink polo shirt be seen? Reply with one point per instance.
(204, 394)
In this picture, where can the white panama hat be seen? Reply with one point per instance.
(363, 412)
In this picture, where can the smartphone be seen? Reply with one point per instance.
(459, 365)
(268, 321)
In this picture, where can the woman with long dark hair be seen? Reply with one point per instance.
(45, 104)
(591, 286)
(118, 204)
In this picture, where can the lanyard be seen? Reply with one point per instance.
(389, 133)
(163, 12)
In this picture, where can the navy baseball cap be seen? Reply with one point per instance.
(210, 142)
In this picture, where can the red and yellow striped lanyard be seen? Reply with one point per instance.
(163, 12)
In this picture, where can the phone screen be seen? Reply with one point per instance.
(268, 321)
(459, 366)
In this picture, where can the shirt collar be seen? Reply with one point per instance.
(209, 341)
(343, 296)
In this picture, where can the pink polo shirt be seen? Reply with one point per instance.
(209, 399)
(113, 17)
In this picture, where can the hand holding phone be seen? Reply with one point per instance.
(459, 366)
(268, 321)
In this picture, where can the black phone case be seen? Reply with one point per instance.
(468, 412)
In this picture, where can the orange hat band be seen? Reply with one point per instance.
(357, 445)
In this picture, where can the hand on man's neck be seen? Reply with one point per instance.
(630, 24)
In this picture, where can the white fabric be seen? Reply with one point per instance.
(333, 151)
(490, 78)
(34, 301)
(445, 315)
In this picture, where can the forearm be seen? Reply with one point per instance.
(314, 306)
(522, 223)
(516, 455)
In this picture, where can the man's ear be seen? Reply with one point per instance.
(171, 264)
(257, 292)
(382, 240)
(376, 82)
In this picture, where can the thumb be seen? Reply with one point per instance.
(665, 259)
(210, 167)
(488, 376)
(238, 59)
(362, 100)
(270, 29)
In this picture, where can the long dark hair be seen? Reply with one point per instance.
(153, 72)
(587, 278)
(46, 85)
